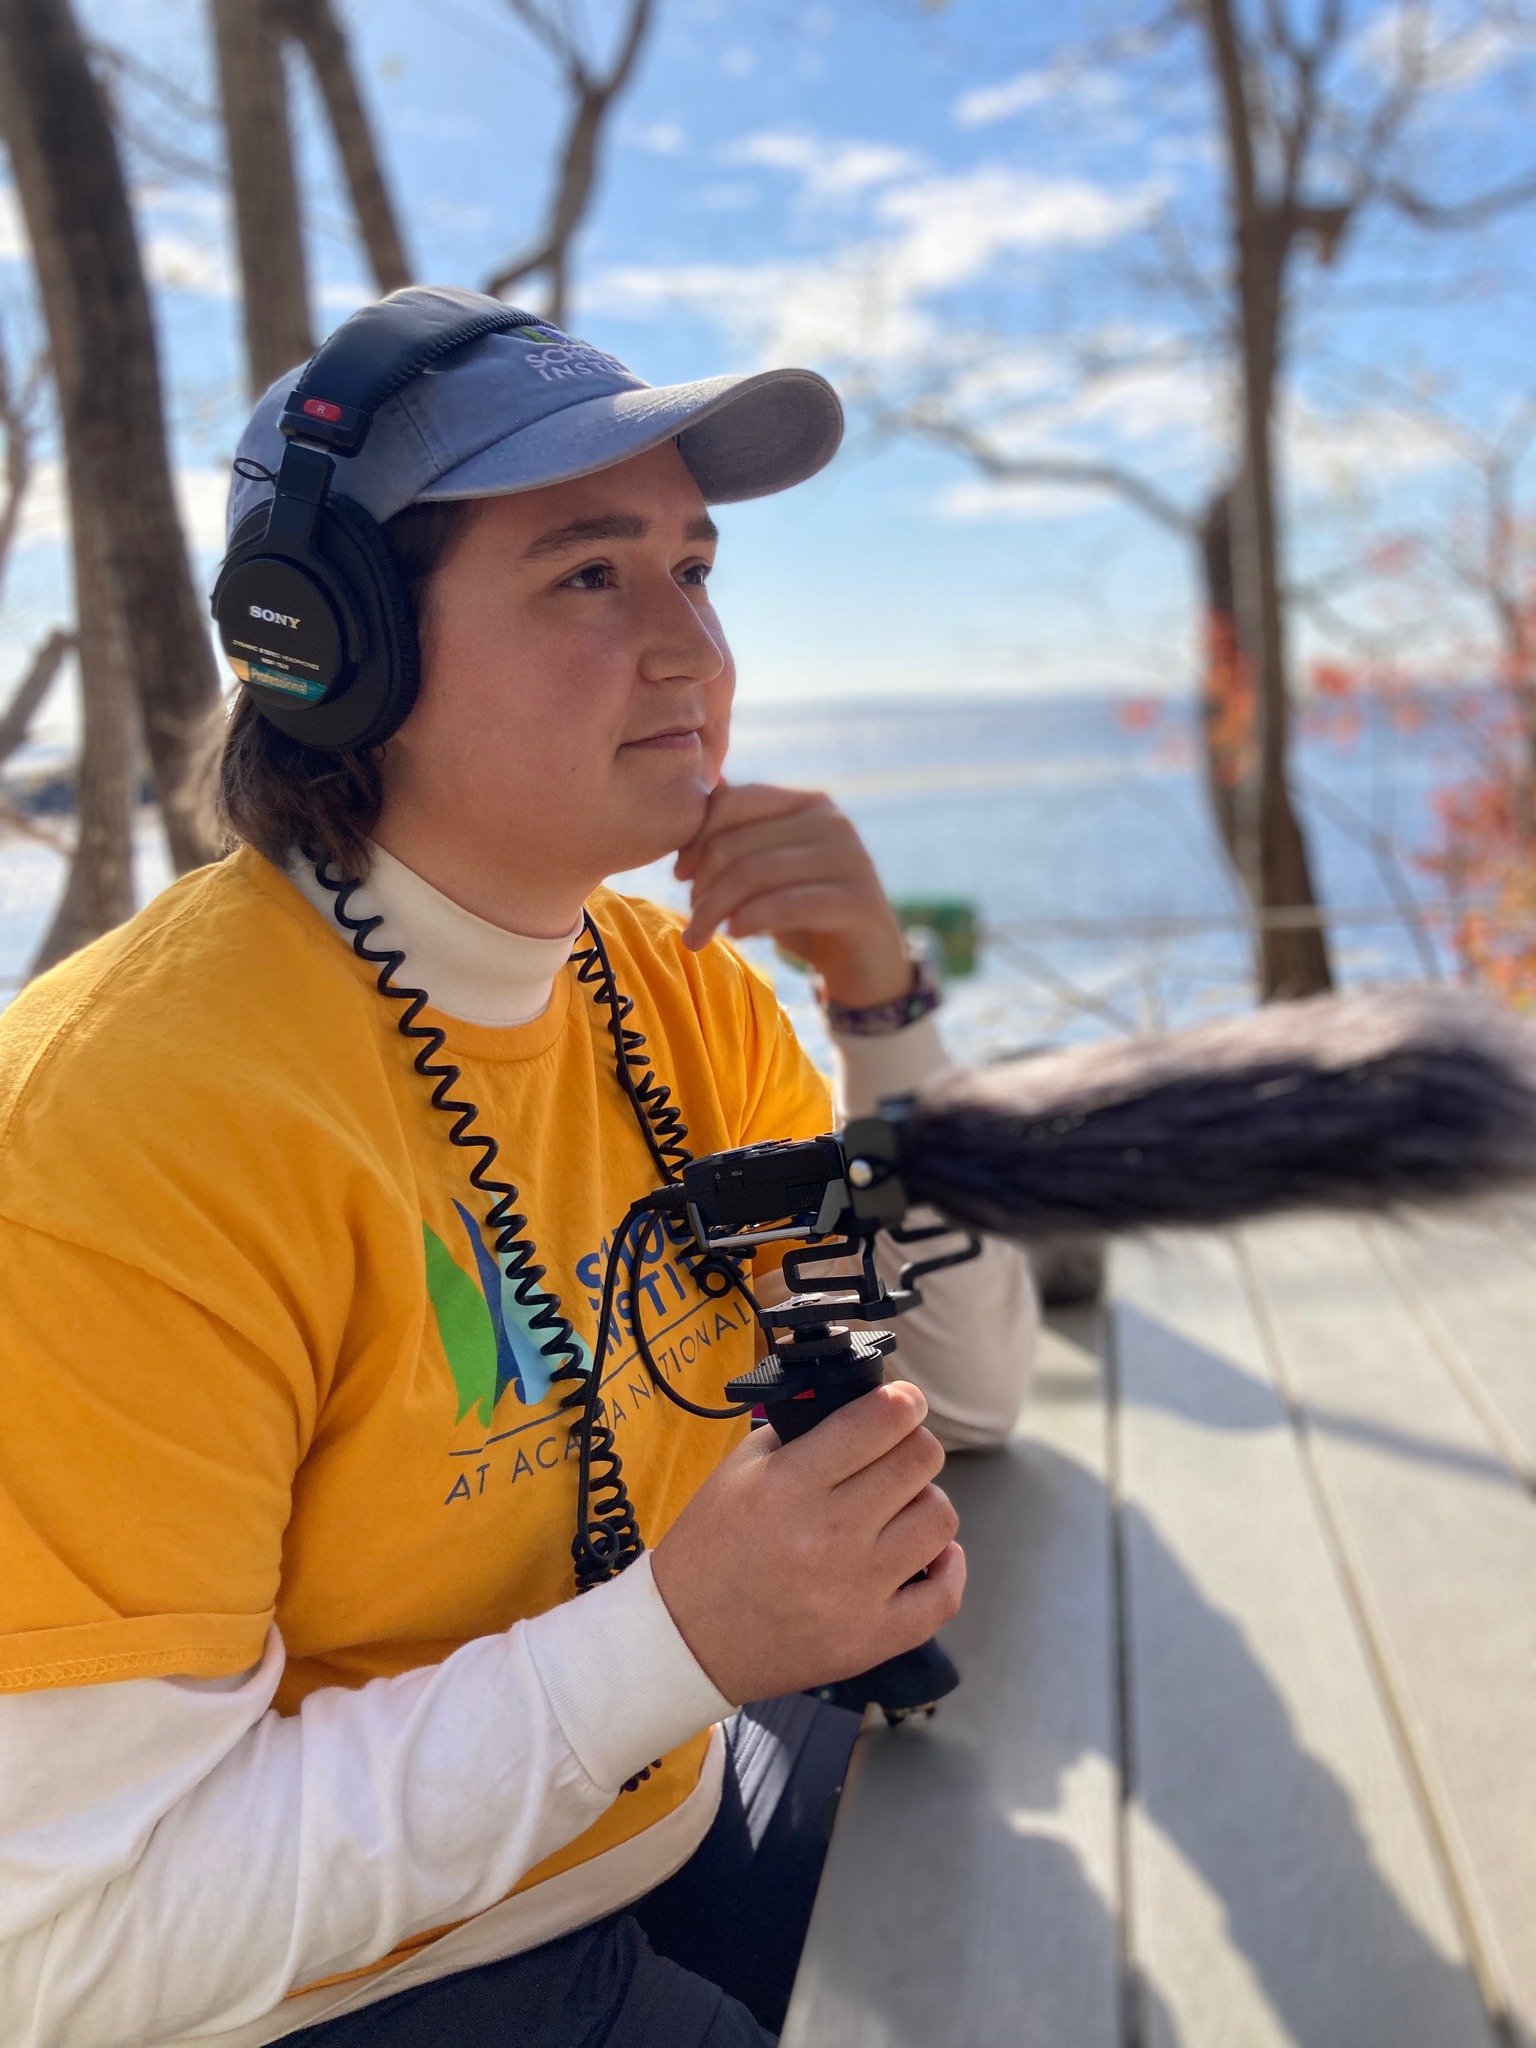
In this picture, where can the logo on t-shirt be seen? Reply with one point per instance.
(487, 1334)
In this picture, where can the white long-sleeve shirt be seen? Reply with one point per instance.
(176, 1857)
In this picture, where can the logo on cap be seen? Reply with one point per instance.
(556, 356)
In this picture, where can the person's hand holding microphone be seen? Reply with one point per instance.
(797, 1565)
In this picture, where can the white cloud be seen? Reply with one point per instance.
(1447, 48)
(43, 516)
(1348, 453)
(185, 202)
(201, 493)
(980, 501)
(986, 104)
(1149, 402)
(952, 227)
(470, 220)
(776, 310)
(188, 263)
(14, 245)
(725, 197)
(866, 299)
(828, 170)
(661, 138)
(344, 295)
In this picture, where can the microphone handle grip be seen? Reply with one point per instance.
(794, 1414)
(915, 1681)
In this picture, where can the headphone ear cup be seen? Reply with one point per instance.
(389, 673)
(351, 563)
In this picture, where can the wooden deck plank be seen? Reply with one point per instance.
(970, 1892)
(1441, 1541)
(1283, 1886)
(1473, 1277)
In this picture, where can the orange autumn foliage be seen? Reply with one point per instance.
(1231, 703)
(1484, 854)
(1486, 861)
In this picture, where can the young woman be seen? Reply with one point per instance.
(302, 1730)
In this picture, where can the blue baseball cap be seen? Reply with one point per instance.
(534, 405)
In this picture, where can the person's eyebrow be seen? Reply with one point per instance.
(609, 526)
(604, 526)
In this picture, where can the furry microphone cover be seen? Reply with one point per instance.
(1351, 1102)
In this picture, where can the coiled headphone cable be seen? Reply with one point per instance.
(607, 1537)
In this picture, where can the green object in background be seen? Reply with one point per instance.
(946, 926)
(953, 923)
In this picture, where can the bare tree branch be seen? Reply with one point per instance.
(32, 687)
(591, 94)
(314, 26)
(1076, 472)
(19, 408)
(1459, 213)
(121, 75)
(269, 231)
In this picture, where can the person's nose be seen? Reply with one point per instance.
(680, 643)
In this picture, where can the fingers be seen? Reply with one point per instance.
(774, 865)
(816, 849)
(756, 1445)
(920, 1611)
(922, 1531)
(854, 1437)
(808, 909)
(718, 845)
(735, 805)
(888, 1483)
(771, 873)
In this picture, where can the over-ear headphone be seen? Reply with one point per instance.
(311, 610)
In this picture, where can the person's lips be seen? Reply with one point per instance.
(675, 739)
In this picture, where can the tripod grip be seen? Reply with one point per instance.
(795, 1392)
(798, 1386)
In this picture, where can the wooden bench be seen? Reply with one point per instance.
(1246, 1748)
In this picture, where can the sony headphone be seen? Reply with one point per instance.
(313, 615)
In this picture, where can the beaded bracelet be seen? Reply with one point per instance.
(878, 1020)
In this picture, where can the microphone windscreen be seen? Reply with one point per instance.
(1355, 1102)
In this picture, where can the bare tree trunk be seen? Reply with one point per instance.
(1293, 962)
(1272, 852)
(106, 373)
(313, 24)
(1226, 688)
(268, 227)
(99, 891)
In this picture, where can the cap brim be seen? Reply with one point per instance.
(742, 437)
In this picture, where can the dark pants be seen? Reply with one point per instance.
(704, 1961)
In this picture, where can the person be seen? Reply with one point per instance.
(303, 1731)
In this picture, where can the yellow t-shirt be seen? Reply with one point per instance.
(253, 1364)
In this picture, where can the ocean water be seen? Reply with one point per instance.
(1082, 838)
(1085, 843)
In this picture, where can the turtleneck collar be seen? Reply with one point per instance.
(471, 970)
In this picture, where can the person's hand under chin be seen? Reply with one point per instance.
(786, 862)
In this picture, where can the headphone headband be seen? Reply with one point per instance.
(312, 613)
(379, 350)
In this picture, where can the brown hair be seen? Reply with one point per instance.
(282, 797)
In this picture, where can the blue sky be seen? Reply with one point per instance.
(911, 198)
